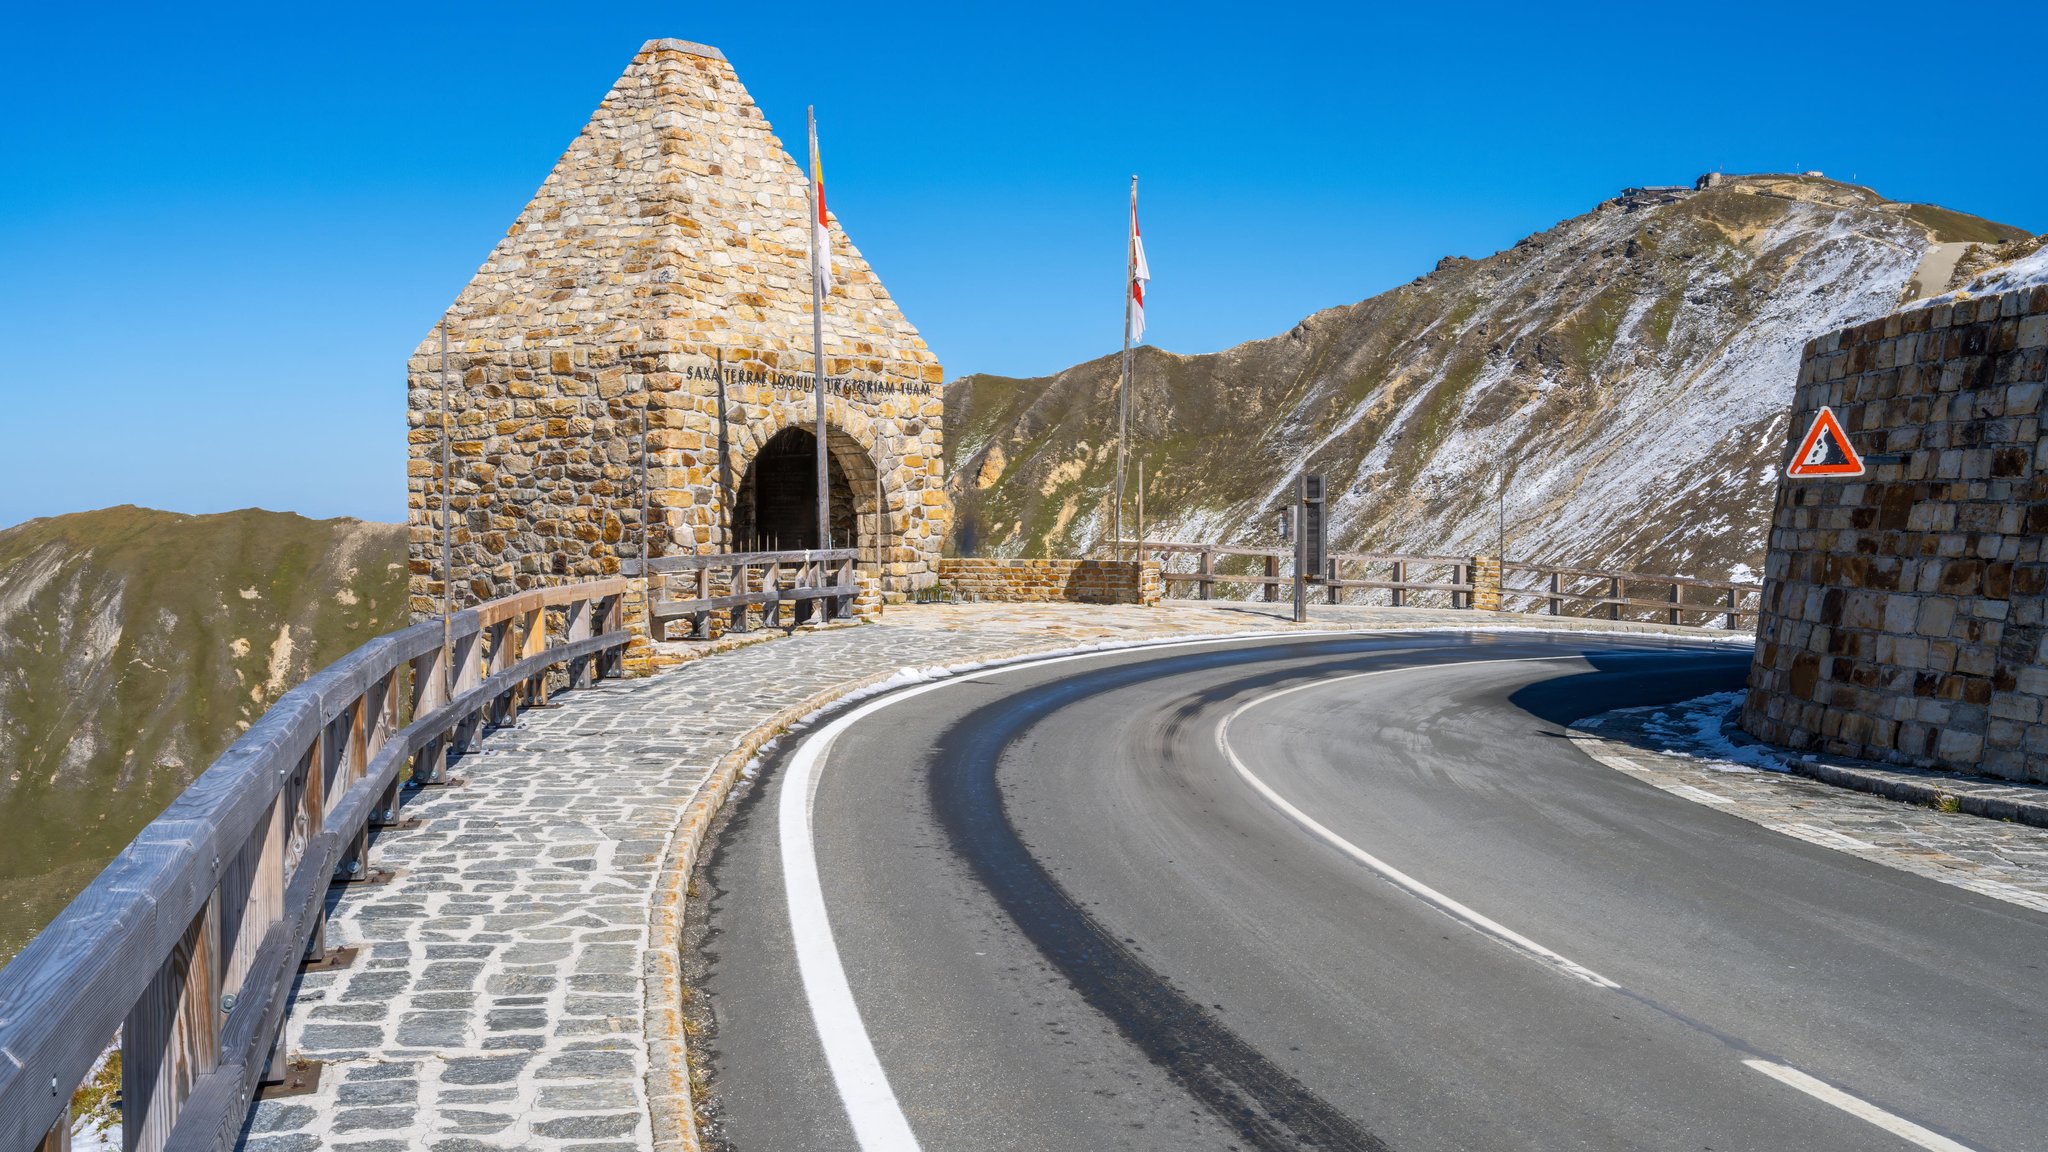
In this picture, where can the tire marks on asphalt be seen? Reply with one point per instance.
(1267, 1107)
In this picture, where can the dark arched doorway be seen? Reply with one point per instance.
(776, 508)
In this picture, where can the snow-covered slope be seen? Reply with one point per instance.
(1618, 385)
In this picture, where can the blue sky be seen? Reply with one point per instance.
(224, 227)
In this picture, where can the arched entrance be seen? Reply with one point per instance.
(776, 507)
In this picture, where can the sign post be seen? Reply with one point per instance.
(1311, 538)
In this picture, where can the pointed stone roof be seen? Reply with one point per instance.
(676, 221)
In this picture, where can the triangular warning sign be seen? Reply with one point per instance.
(1825, 450)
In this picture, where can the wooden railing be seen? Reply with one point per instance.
(741, 583)
(1405, 576)
(1456, 584)
(189, 943)
(1450, 581)
(1608, 594)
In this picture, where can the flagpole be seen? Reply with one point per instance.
(447, 534)
(818, 339)
(1123, 392)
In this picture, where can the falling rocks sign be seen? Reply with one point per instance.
(1825, 450)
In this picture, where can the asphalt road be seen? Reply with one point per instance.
(1396, 910)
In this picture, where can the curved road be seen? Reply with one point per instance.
(1356, 893)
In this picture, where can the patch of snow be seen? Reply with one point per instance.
(1695, 725)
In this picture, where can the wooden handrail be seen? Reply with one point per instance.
(189, 942)
(1735, 601)
(800, 579)
(1629, 577)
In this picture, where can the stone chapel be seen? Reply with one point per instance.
(631, 367)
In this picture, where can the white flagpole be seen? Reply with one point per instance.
(818, 340)
(1123, 392)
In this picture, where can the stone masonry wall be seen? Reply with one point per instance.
(1036, 581)
(1903, 611)
(671, 237)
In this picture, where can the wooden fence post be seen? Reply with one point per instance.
(736, 585)
(1331, 592)
(343, 767)
(1729, 619)
(1614, 597)
(385, 725)
(611, 617)
(429, 694)
(576, 626)
(1674, 604)
(252, 897)
(1208, 569)
(534, 637)
(1272, 589)
(1556, 601)
(702, 587)
(1461, 574)
(172, 1034)
(307, 809)
(1399, 591)
(496, 645)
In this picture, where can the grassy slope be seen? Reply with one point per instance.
(134, 646)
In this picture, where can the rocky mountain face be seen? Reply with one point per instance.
(134, 647)
(1614, 389)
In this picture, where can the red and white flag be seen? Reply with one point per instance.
(821, 232)
(1140, 274)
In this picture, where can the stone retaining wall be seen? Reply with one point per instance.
(1486, 583)
(1040, 581)
(1902, 614)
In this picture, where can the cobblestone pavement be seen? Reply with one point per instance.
(500, 997)
(1685, 751)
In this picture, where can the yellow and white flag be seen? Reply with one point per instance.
(821, 232)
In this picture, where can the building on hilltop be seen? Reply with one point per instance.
(637, 351)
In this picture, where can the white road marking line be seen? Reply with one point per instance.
(871, 1105)
(1430, 895)
(878, 1121)
(1862, 1109)
(1819, 1089)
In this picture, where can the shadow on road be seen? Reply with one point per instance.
(1632, 680)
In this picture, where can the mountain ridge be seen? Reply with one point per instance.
(135, 645)
(1641, 354)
